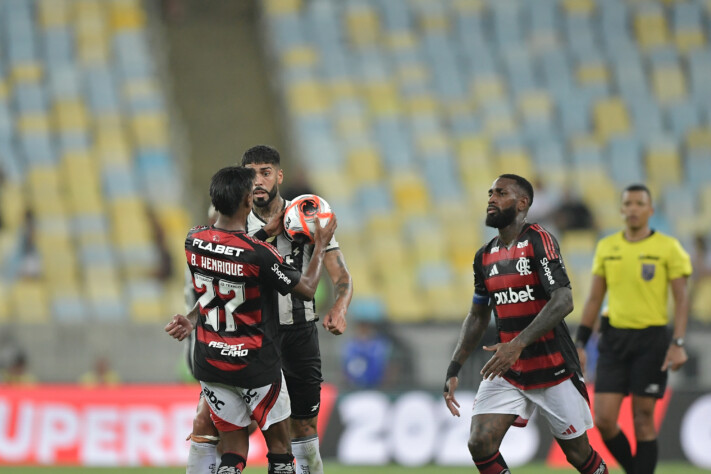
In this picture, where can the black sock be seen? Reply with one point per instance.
(232, 463)
(593, 465)
(493, 464)
(646, 458)
(619, 447)
(281, 463)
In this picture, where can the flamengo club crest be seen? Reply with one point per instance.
(523, 266)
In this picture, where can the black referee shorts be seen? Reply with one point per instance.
(630, 361)
(301, 362)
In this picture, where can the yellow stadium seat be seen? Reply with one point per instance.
(52, 13)
(28, 302)
(578, 241)
(4, 304)
(410, 193)
(578, 7)
(4, 88)
(516, 161)
(150, 129)
(592, 73)
(468, 6)
(37, 122)
(444, 303)
(12, 205)
(669, 84)
(341, 89)
(663, 166)
(699, 139)
(332, 182)
(651, 30)
(432, 143)
(126, 14)
(362, 25)
(400, 40)
(610, 118)
(383, 99)
(300, 56)
(281, 7)
(29, 71)
(436, 22)
(364, 165)
(351, 125)
(129, 222)
(536, 103)
(307, 98)
(488, 89)
(689, 40)
(70, 115)
(421, 104)
(701, 300)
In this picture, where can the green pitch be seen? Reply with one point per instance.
(332, 468)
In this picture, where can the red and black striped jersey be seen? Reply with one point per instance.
(519, 281)
(237, 279)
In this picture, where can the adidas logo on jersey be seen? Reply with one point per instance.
(494, 271)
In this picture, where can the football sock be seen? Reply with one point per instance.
(619, 447)
(646, 457)
(232, 463)
(307, 455)
(593, 465)
(493, 464)
(281, 463)
(201, 458)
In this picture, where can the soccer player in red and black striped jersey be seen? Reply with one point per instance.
(236, 319)
(534, 365)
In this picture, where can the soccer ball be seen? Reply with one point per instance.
(300, 215)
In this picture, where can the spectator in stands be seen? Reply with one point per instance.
(366, 357)
(101, 374)
(164, 268)
(17, 373)
(572, 214)
(701, 258)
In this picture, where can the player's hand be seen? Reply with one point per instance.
(179, 327)
(505, 355)
(323, 235)
(275, 226)
(449, 399)
(335, 321)
(675, 358)
(583, 356)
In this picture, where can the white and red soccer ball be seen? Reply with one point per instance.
(300, 216)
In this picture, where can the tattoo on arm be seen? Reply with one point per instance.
(559, 306)
(472, 331)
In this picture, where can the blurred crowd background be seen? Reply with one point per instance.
(114, 114)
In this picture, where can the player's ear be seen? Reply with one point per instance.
(280, 176)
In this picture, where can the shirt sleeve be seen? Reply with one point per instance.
(481, 294)
(276, 272)
(598, 266)
(548, 262)
(679, 261)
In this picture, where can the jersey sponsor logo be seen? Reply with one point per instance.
(523, 244)
(547, 270)
(648, 271)
(280, 275)
(216, 403)
(219, 248)
(494, 271)
(512, 296)
(523, 266)
(230, 350)
(249, 395)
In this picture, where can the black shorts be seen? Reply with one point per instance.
(301, 362)
(631, 361)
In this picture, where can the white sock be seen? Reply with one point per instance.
(307, 455)
(202, 458)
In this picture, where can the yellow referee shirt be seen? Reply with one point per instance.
(637, 276)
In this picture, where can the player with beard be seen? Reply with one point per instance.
(520, 273)
(298, 331)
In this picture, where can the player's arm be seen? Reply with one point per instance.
(306, 287)
(274, 227)
(335, 319)
(676, 355)
(472, 331)
(556, 309)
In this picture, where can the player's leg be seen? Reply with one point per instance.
(202, 455)
(612, 382)
(271, 411)
(497, 405)
(648, 384)
(302, 369)
(566, 409)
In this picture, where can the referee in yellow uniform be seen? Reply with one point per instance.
(636, 266)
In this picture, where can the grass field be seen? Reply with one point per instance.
(331, 468)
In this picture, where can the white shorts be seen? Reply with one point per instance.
(563, 406)
(233, 408)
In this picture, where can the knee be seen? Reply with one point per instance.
(606, 424)
(303, 428)
(643, 420)
(202, 424)
(481, 446)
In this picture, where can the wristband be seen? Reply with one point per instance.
(261, 234)
(582, 336)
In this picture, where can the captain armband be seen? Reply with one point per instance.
(480, 299)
